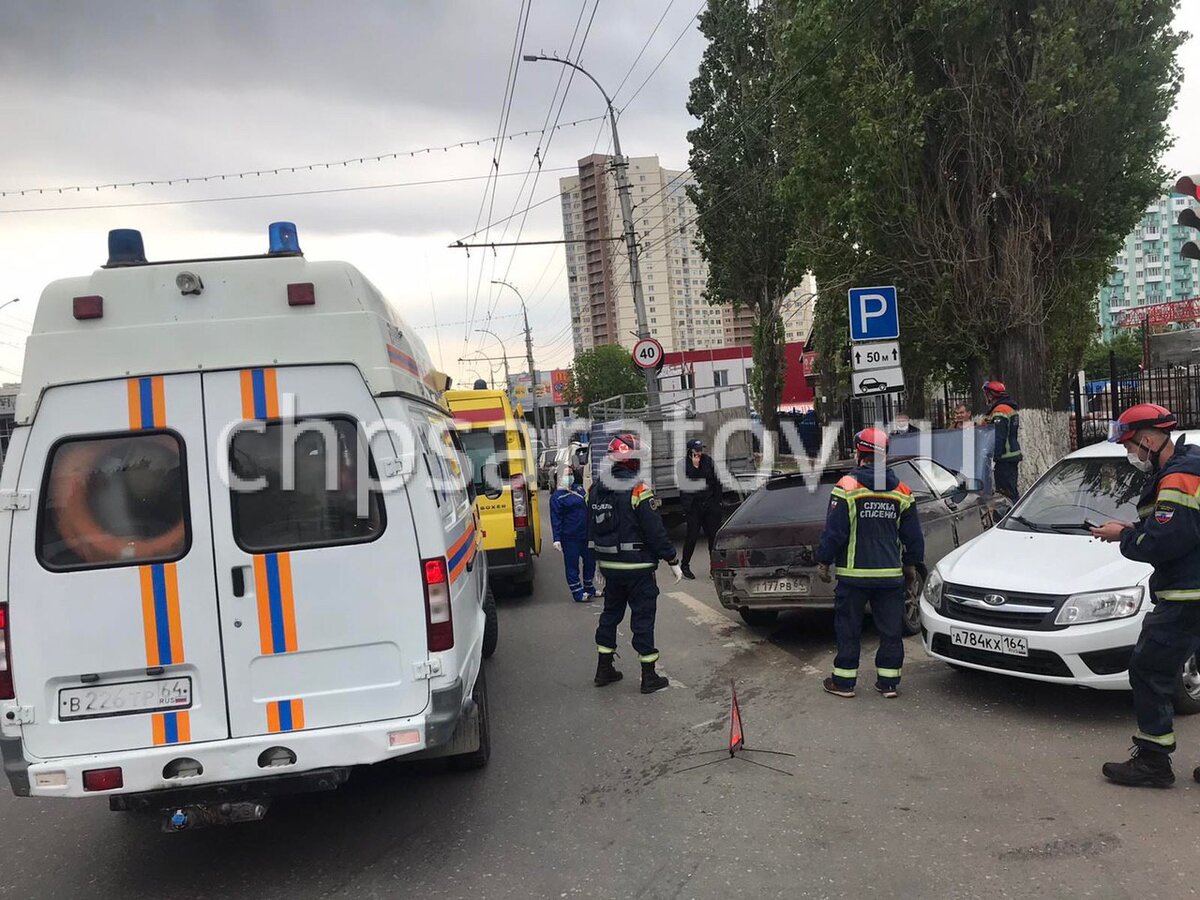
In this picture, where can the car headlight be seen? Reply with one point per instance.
(1100, 606)
(933, 589)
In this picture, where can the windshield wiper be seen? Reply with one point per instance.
(1070, 526)
(1032, 526)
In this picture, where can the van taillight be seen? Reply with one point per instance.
(6, 676)
(439, 621)
(520, 502)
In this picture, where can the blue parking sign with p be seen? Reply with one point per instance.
(874, 314)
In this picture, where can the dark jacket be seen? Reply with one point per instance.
(569, 515)
(1005, 420)
(625, 529)
(871, 530)
(701, 487)
(1167, 534)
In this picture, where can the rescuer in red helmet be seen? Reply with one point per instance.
(873, 536)
(1167, 536)
(628, 539)
(1005, 420)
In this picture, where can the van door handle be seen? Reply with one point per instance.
(239, 581)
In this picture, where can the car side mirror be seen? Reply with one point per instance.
(971, 485)
(492, 488)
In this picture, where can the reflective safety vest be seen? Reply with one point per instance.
(625, 530)
(871, 533)
(1006, 423)
(1167, 535)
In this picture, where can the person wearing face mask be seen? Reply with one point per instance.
(1167, 536)
(701, 490)
(569, 528)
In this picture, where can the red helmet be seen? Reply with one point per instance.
(870, 441)
(994, 387)
(1134, 419)
(623, 449)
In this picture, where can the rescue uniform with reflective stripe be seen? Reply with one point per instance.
(1167, 536)
(628, 539)
(871, 532)
(1006, 423)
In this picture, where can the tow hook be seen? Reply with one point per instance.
(200, 815)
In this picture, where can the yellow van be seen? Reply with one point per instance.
(503, 464)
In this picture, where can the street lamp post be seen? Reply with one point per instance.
(502, 348)
(491, 369)
(620, 165)
(537, 409)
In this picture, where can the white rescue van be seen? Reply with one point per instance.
(238, 545)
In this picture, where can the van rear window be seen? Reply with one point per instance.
(483, 447)
(318, 497)
(118, 500)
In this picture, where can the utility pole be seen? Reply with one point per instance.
(537, 409)
(620, 167)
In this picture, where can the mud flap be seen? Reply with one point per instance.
(465, 738)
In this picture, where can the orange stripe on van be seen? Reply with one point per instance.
(149, 620)
(288, 602)
(271, 392)
(247, 394)
(262, 595)
(160, 401)
(176, 619)
(135, 404)
(159, 729)
(273, 717)
(285, 715)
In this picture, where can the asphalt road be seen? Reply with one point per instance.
(967, 786)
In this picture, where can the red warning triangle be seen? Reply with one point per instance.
(737, 739)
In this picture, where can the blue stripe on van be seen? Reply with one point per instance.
(162, 620)
(278, 639)
(260, 394)
(146, 393)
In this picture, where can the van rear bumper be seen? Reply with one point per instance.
(235, 761)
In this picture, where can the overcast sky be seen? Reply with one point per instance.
(113, 92)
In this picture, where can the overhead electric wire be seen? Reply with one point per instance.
(670, 50)
(263, 171)
(270, 196)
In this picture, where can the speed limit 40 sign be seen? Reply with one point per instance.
(647, 354)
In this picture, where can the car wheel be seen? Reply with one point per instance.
(522, 588)
(477, 759)
(491, 625)
(1187, 687)
(759, 618)
(912, 606)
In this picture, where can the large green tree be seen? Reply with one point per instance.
(745, 228)
(603, 372)
(987, 156)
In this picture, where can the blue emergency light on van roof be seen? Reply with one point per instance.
(284, 239)
(125, 247)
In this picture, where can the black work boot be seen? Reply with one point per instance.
(605, 672)
(651, 680)
(688, 574)
(1196, 774)
(1144, 768)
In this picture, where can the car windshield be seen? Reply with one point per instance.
(1078, 493)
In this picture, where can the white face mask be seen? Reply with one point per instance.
(1142, 465)
(565, 482)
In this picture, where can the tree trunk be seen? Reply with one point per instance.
(1019, 354)
(916, 405)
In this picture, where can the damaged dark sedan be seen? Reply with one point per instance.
(764, 557)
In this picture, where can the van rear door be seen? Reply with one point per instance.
(116, 643)
(319, 584)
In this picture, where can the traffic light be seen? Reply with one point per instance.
(1189, 186)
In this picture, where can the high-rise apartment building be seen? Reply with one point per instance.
(1149, 269)
(674, 274)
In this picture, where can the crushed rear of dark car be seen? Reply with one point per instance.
(764, 558)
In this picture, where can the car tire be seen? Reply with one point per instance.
(477, 759)
(491, 625)
(912, 607)
(758, 618)
(1187, 687)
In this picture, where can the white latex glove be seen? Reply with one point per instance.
(558, 546)
(677, 571)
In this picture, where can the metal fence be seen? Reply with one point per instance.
(884, 409)
(1098, 401)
